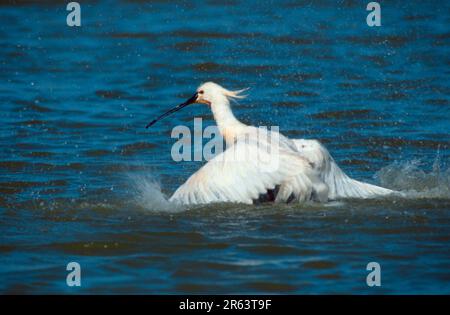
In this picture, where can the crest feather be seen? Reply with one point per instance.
(236, 93)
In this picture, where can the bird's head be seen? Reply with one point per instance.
(207, 93)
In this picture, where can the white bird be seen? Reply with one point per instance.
(262, 165)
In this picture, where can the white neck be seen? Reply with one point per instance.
(227, 123)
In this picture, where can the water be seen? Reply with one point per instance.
(82, 180)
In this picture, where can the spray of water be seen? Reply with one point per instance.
(414, 181)
(148, 195)
(411, 179)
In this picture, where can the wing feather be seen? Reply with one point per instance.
(241, 174)
(339, 184)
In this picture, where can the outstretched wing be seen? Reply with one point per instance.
(241, 174)
(339, 184)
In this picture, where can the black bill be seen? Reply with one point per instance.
(173, 110)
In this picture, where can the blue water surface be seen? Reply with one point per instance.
(79, 173)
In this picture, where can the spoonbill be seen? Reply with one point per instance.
(243, 173)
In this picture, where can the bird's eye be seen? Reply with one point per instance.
(200, 92)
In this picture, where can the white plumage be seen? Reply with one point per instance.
(243, 172)
(338, 183)
(259, 162)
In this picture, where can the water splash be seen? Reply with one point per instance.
(410, 178)
(148, 195)
(415, 182)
